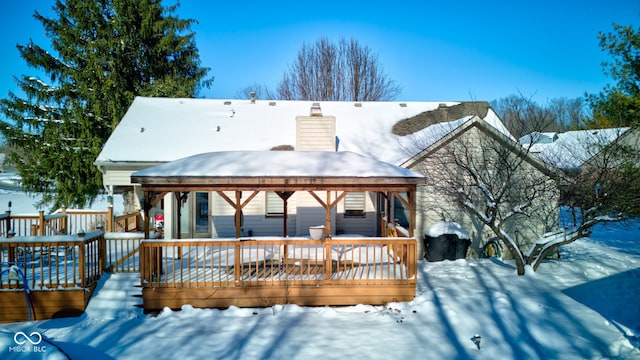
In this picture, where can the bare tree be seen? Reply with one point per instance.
(347, 71)
(481, 177)
(605, 186)
(570, 114)
(260, 91)
(522, 115)
(485, 179)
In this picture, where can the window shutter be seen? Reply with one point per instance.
(354, 203)
(275, 206)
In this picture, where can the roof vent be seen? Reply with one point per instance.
(227, 102)
(272, 103)
(357, 104)
(316, 110)
(403, 104)
(253, 97)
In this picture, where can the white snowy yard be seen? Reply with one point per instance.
(585, 305)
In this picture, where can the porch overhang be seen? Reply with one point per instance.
(276, 170)
(279, 171)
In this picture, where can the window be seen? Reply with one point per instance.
(354, 204)
(274, 204)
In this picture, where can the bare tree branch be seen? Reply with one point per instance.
(346, 71)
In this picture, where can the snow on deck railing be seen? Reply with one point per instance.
(277, 261)
(123, 251)
(62, 221)
(53, 262)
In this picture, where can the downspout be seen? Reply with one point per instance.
(109, 190)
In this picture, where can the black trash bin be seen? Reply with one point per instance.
(446, 241)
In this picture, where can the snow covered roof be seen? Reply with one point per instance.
(227, 166)
(536, 141)
(167, 129)
(574, 148)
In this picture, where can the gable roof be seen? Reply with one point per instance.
(503, 137)
(166, 129)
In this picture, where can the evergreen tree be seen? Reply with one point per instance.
(619, 105)
(104, 53)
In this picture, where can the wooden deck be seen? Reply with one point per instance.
(263, 272)
(59, 271)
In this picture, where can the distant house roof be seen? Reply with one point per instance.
(166, 129)
(536, 141)
(573, 148)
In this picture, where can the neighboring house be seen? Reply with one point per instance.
(487, 145)
(570, 150)
(161, 130)
(537, 141)
(626, 146)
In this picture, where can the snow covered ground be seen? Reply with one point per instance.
(586, 305)
(23, 203)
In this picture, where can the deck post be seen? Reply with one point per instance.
(238, 219)
(327, 222)
(102, 253)
(42, 227)
(110, 218)
(237, 266)
(82, 272)
(64, 226)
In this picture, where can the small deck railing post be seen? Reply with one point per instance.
(63, 222)
(110, 219)
(328, 263)
(8, 222)
(237, 266)
(102, 253)
(81, 264)
(41, 224)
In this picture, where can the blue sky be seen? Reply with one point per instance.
(436, 50)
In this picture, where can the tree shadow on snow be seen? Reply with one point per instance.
(611, 297)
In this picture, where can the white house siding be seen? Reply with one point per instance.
(118, 177)
(310, 213)
(434, 205)
(315, 133)
(304, 211)
(255, 222)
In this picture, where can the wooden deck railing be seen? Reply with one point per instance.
(87, 220)
(67, 221)
(122, 251)
(277, 262)
(128, 223)
(32, 224)
(62, 261)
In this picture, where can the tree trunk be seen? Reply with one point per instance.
(515, 253)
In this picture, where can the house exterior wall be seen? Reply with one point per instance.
(117, 177)
(365, 225)
(303, 211)
(435, 202)
(256, 222)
